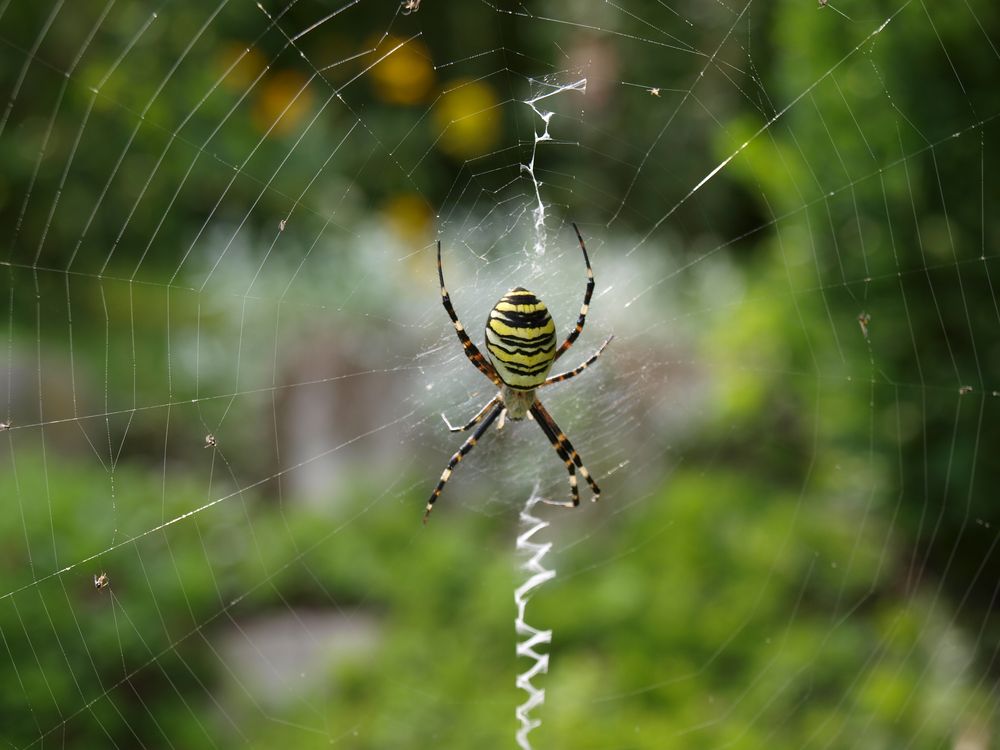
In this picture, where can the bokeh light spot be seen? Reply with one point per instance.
(406, 75)
(243, 65)
(283, 101)
(409, 216)
(469, 118)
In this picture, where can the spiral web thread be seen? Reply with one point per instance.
(532, 637)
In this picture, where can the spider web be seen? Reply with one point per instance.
(226, 359)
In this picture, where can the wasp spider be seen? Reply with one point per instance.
(521, 345)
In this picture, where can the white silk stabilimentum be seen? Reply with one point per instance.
(532, 637)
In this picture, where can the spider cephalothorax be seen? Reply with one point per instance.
(521, 346)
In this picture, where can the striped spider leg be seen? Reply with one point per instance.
(471, 351)
(567, 453)
(476, 419)
(579, 368)
(580, 321)
(467, 446)
(520, 352)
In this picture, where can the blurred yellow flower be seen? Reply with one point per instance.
(246, 65)
(406, 75)
(282, 102)
(409, 216)
(468, 115)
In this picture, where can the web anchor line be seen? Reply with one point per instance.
(532, 637)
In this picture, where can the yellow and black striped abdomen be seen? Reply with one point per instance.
(521, 339)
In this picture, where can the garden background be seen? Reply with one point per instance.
(223, 361)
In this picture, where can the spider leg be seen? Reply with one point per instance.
(467, 446)
(475, 420)
(565, 450)
(574, 490)
(586, 301)
(471, 351)
(576, 370)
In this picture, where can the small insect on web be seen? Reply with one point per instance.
(521, 344)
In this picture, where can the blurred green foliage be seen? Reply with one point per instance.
(882, 180)
(718, 626)
(790, 599)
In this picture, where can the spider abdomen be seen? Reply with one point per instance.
(521, 339)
